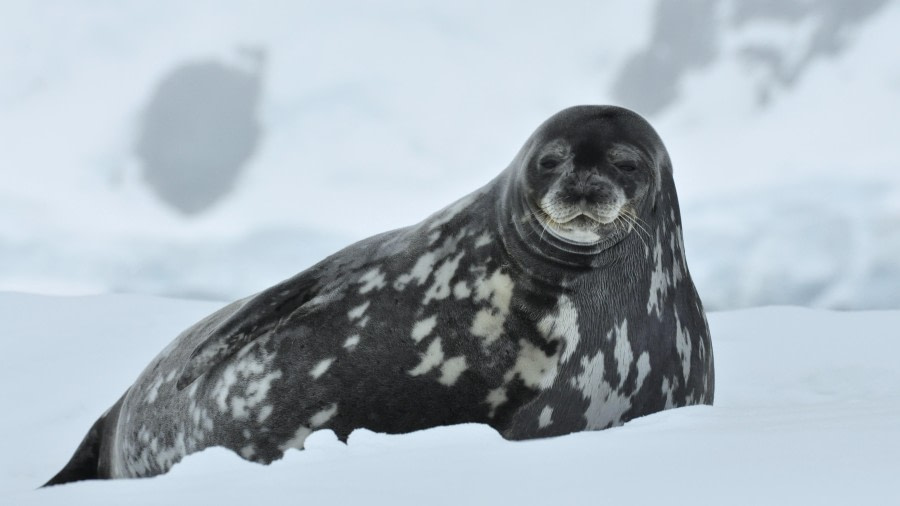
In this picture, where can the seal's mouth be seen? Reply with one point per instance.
(576, 226)
(584, 223)
(579, 220)
(583, 217)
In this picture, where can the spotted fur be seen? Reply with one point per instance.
(485, 312)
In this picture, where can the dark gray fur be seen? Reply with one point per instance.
(526, 332)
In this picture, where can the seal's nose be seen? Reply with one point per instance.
(586, 185)
(582, 182)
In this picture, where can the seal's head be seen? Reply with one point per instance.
(589, 173)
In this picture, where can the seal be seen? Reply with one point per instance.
(554, 299)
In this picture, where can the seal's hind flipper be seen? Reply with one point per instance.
(259, 315)
(84, 463)
(89, 462)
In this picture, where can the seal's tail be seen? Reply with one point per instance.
(88, 463)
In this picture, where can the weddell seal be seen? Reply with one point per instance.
(555, 299)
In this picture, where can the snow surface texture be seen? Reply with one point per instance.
(781, 118)
(807, 412)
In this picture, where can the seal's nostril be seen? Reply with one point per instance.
(581, 184)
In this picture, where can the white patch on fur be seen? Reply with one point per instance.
(245, 366)
(562, 325)
(483, 240)
(153, 391)
(164, 457)
(448, 213)
(424, 265)
(248, 451)
(643, 369)
(322, 298)
(546, 417)
(358, 311)
(432, 357)
(423, 268)
(605, 405)
(371, 280)
(461, 290)
(239, 410)
(451, 369)
(668, 389)
(608, 402)
(684, 348)
(264, 413)
(495, 398)
(423, 327)
(659, 283)
(320, 368)
(488, 322)
(622, 351)
(296, 441)
(255, 392)
(351, 342)
(322, 417)
(440, 289)
(676, 246)
(535, 368)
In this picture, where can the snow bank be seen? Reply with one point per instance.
(806, 411)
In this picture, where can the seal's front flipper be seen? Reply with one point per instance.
(259, 315)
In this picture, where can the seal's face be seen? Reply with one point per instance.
(587, 177)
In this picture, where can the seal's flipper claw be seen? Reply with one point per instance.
(260, 315)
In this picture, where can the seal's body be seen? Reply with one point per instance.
(555, 299)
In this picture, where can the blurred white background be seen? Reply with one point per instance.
(209, 149)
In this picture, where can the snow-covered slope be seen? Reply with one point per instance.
(807, 411)
(373, 115)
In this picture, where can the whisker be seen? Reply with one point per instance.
(540, 235)
(637, 221)
(635, 226)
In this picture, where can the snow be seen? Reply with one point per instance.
(375, 115)
(807, 411)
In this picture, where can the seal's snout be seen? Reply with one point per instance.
(581, 206)
(588, 194)
(588, 188)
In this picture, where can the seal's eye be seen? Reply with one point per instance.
(627, 166)
(550, 162)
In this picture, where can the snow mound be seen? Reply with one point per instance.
(806, 411)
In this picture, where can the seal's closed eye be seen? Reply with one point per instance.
(550, 162)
